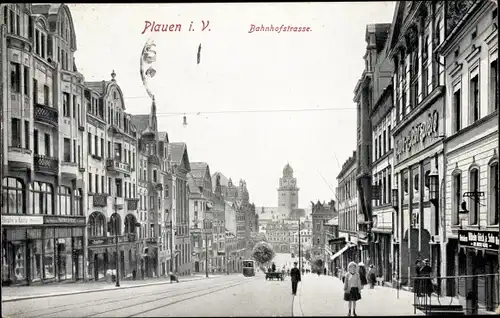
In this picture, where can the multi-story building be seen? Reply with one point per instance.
(381, 123)
(321, 213)
(200, 213)
(180, 206)
(373, 81)
(111, 180)
(231, 241)
(469, 45)
(348, 207)
(43, 186)
(418, 130)
(165, 206)
(150, 191)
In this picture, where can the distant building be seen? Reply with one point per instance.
(288, 193)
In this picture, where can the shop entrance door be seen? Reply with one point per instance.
(96, 267)
(78, 265)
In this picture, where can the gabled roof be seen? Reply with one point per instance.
(397, 23)
(103, 87)
(179, 154)
(163, 136)
(141, 122)
(199, 171)
(51, 11)
(192, 184)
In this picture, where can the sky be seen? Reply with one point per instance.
(237, 101)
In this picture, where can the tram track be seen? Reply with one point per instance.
(192, 297)
(49, 312)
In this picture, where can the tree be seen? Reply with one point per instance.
(263, 253)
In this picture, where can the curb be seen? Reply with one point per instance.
(97, 290)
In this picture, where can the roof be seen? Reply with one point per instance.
(97, 86)
(162, 135)
(223, 180)
(141, 122)
(266, 213)
(198, 170)
(192, 184)
(177, 150)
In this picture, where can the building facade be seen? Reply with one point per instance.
(111, 149)
(382, 123)
(418, 132)
(43, 186)
(321, 214)
(346, 247)
(470, 51)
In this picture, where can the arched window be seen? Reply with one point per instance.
(42, 198)
(474, 200)
(130, 222)
(13, 196)
(64, 200)
(493, 193)
(96, 225)
(115, 225)
(78, 209)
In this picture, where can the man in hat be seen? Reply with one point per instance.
(295, 278)
(426, 271)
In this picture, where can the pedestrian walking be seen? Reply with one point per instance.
(417, 282)
(324, 271)
(426, 284)
(295, 278)
(352, 287)
(362, 273)
(372, 279)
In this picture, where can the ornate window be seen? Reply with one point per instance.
(77, 210)
(115, 224)
(12, 196)
(64, 201)
(130, 222)
(42, 198)
(96, 225)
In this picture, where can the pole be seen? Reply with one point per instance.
(300, 258)
(117, 251)
(206, 247)
(171, 247)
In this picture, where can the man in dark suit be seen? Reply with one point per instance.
(295, 277)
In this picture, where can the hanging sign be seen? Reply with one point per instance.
(479, 239)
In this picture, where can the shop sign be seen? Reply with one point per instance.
(479, 239)
(98, 241)
(63, 220)
(415, 139)
(22, 220)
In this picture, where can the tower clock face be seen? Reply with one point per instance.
(285, 182)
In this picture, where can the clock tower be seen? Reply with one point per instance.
(288, 193)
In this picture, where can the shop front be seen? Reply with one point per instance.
(42, 249)
(102, 256)
(479, 251)
(418, 160)
(382, 233)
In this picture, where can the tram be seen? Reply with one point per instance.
(248, 268)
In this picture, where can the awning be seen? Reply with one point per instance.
(345, 248)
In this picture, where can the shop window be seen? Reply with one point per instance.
(493, 193)
(42, 197)
(96, 225)
(473, 201)
(12, 196)
(49, 257)
(64, 201)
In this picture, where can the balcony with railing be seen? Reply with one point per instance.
(152, 241)
(100, 200)
(46, 164)
(46, 115)
(132, 204)
(118, 166)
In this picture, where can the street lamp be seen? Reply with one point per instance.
(433, 185)
(395, 198)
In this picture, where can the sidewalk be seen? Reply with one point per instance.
(324, 296)
(60, 289)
